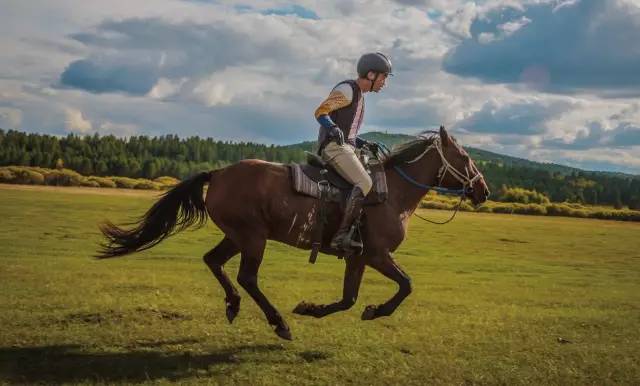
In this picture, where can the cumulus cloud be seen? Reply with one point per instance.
(580, 46)
(257, 71)
(75, 122)
(10, 118)
(522, 118)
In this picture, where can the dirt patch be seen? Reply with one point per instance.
(162, 314)
(313, 356)
(112, 316)
(94, 318)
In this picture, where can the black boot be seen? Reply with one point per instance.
(342, 240)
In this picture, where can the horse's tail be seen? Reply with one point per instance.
(178, 209)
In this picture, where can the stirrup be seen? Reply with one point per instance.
(348, 244)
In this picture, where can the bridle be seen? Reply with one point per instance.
(466, 181)
(464, 178)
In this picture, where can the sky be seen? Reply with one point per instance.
(547, 80)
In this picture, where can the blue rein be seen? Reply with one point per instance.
(439, 189)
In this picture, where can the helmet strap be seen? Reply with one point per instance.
(374, 81)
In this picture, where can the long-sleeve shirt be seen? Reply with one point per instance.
(341, 96)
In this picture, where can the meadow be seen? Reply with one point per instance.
(497, 299)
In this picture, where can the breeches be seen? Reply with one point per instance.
(344, 160)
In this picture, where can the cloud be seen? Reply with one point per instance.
(95, 76)
(132, 55)
(75, 122)
(257, 72)
(292, 9)
(10, 118)
(595, 135)
(572, 47)
(521, 118)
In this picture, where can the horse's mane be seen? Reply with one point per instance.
(410, 150)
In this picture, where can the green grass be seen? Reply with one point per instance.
(492, 296)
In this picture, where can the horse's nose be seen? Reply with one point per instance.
(486, 193)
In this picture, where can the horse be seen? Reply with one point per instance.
(252, 201)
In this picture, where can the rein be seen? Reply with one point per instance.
(467, 183)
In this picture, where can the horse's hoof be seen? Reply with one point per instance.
(232, 312)
(302, 308)
(283, 332)
(369, 313)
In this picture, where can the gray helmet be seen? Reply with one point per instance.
(373, 61)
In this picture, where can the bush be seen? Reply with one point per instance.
(124, 182)
(103, 182)
(63, 177)
(89, 183)
(524, 196)
(147, 184)
(7, 176)
(166, 181)
(435, 205)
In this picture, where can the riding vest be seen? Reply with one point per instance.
(348, 118)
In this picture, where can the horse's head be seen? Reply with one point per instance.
(459, 171)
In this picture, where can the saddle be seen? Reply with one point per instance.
(318, 179)
(310, 178)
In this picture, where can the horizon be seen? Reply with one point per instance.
(519, 78)
(127, 137)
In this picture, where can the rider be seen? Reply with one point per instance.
(340, 117)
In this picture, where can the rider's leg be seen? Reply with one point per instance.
(344, 160)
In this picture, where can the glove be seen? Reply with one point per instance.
(372, 146)
(336, 134)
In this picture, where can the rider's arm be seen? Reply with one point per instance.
(339, 97)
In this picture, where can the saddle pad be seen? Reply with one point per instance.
(304, 185)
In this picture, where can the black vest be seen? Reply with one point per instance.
(348, 118)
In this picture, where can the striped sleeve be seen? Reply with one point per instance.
(338, 98)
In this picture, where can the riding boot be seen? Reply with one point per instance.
(353, 208)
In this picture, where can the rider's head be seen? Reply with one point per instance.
(373, 70)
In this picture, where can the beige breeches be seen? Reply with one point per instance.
(343, 158)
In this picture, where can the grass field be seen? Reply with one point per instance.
(498, 299)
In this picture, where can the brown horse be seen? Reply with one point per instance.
(253, 201)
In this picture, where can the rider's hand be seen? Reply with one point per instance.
(336, 134)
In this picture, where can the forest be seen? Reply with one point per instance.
(169, 155)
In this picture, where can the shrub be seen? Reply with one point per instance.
(146, 184)
(124, 182)
(521, 195)
(90, 183)
(103, 182)
(7, 176)
(435, 205)
(166, 181)
(532, 209)
(63, 177)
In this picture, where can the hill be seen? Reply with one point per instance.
(169, 155)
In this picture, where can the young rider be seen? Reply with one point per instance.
(340, 116)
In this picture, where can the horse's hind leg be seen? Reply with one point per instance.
(215, 260)
(252, 253)
(352, 279)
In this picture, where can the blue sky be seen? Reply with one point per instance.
(553, 81)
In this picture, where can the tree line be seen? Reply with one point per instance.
(168, 155)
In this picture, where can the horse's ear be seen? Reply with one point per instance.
(444, 136)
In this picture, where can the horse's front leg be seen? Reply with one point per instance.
(388, 267)
(352, 279)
